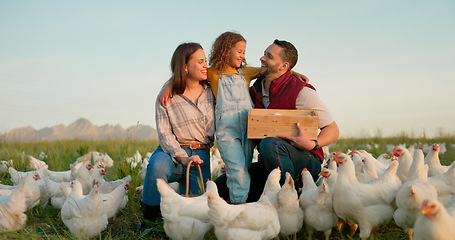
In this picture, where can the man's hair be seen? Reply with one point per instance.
(289, 53)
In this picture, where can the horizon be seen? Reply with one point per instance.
(381, 67)
(364, 135)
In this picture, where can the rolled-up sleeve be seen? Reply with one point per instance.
(308, 99)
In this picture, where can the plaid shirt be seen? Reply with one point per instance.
(185, 122)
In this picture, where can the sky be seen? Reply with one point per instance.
(382, 67)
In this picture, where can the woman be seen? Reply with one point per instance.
(185, 129)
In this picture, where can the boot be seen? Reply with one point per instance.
(151, 215)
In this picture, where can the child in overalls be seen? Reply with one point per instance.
(230, 80)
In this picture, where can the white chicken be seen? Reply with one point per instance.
(12, 208)
(58, 176)
(411, 148)
(378, 165)
(74, 167)
(289, 211)
(106, 186)
(184, 217)
(53, 188)
(360, 173)
(97, 157)
(31, 190)
(434, 222)
(103, 158)
(390, 180)
(42, 155)
(36, 163)
(330, 177)
(328, 159)
(134, 160)
(138, 191)
(411, 194)
(316, 203)
(367, 205)
(83, 176)
(444, 185)
(85, 217)
(257, 220)
(272, 186)
(143, 168)
(4, 165)
(405, 161)
(96, 167)
(217, 166)
(368, 165)
(65, 190)
(115, 200)
(18, 176)
(433, 162)
(7, 187)
(384, 159)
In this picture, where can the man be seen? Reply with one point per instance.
(277, 88)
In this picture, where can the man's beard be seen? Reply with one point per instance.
(269, 70)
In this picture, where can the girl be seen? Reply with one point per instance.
(230, 80)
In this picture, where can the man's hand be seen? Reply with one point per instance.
(196, 160)
(301, 141)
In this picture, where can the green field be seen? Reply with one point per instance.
(45, 223)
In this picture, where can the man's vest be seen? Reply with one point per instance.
(283, 94)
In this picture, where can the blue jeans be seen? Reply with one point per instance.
(161, 166)
(277, 152)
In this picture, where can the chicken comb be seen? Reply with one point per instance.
(336, 154)
(435, 147)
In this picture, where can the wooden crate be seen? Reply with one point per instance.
(264, 123)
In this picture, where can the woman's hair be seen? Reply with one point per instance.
(181, 57)
(221, 48)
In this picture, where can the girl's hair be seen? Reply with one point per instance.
(221, 48)
(181, 57)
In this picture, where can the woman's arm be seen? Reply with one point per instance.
(253, 73)
(301, 77)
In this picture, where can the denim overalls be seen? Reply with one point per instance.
(231, 117)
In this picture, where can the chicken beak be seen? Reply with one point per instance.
(424, 211)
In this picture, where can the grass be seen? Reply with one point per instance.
(45, 223)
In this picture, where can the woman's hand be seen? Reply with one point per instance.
(301, 141)
(301, 77)
(196, 160)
